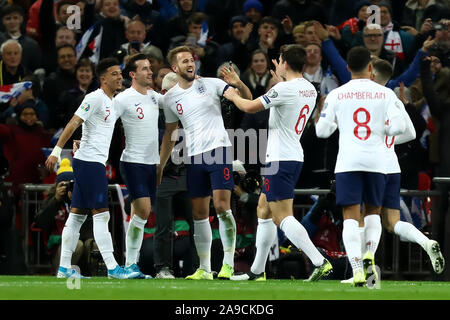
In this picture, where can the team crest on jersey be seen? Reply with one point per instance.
(85, 107)
(272, 93)
(201, 88)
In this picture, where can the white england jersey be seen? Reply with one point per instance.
(392, 165)
(360, 109)
(292, 103)
(199, 110)
(99, 118)
(139, 114)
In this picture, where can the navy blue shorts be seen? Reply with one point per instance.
(90, 189)
(280, 178)
(356, 187)
(140, 180)
(204, 174)
(391, 198)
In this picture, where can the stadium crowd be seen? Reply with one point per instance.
(56, 45)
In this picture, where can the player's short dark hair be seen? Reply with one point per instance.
(294, 55)
(11, 8)
(131, 63)
(105, 64)
(382, 68)
(358, 58)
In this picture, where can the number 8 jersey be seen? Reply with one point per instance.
(292, 103)
(363, 111)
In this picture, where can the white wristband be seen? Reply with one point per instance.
(56, 152)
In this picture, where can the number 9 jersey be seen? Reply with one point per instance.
(292, 103)
(364, 112)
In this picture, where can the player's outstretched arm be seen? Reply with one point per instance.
(68, 131)
(246, 105)
(167, 145)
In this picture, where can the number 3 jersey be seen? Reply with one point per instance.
(363, 111)
(139, 114)
(292, 103)
(99, 118)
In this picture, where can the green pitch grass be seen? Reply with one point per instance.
(50, 288)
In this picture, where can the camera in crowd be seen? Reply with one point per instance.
(249, 182)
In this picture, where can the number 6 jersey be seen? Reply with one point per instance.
(292, 103)
(364, 112)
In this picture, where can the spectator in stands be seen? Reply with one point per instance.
(300, 10)
(416, 11)
(12, 18)
(269, 39)
(155, 56)
(178, 24)
(235, 50)
(62, 79)
(436, 93)
(253, 11)
(63, 36)
(53, 215)
(159, 76)
(204, 52)
(350, 27)
(318, 73)
(70, 99)
(31, 96)
(11, 70)
(112, 22)
(299, 34)
(144, 11)
(22, 147)
(135, 34)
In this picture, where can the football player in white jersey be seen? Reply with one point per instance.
(365, 113)
(90, 191)
(291, 103)
(196, 103)
(138, 109)
(390, 211)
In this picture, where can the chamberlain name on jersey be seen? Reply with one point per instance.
(99, 118)
(291, 104)
(139, 114)
(364, 112)
(198, 108)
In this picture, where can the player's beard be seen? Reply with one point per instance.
(187, 77)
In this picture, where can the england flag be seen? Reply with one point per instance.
(10, 91)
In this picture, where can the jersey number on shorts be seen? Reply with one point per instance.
(303, 113)
(226, 174)
(141, 113)
(361, 124)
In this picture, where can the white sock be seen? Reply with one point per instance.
(352, 242)
(410, 233)
(102, 237)
(298, 235)
(266, 233)
(69, 238)
(362, 236)
(227, 231)
(135, 235)
(372, 231)
(203, 241)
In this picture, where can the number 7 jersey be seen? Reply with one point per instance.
(292, 103)
(361, 110)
